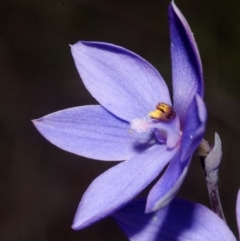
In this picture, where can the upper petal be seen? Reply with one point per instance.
(121, 81)
(181, 220)
(93, 132)
(186, 64)
(118, 185)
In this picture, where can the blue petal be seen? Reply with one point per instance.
(121, 81)
(168, 185)
(238, 212)
(180, 221)
(93, 132)
(120, 184)
(186, 63)
(194, 127)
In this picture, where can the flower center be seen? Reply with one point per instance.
(163, 121)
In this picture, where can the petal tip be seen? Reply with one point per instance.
(173, 7)
(74, 226)
(77, 45)
(154, 206)
(149, 209)
(35, 122)
(77, 224)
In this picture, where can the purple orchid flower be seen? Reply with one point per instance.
(125, 126)
(181, 220)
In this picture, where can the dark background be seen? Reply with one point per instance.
(41, 185)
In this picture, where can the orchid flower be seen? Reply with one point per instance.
(181, 220)
(135, 122)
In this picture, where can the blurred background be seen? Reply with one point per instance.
(41, 185)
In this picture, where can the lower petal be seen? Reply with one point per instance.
(238, 212)
(120, 184)
(181, 220)
(167, 187)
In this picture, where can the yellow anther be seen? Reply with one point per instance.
(156, 114)
(163, 112)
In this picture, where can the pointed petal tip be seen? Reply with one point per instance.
(150, 209)
(173, 7)
(161, 203)
(75, 226)
(35, 121)
(172, 3)
(75, 47)
(79, 224)
(81, 43)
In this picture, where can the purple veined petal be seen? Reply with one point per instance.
(121, 81)
(168, 185)
(120, 184)
(186, 64)
(238, 212)
(180, 221)
(93, 132)
(194, 127)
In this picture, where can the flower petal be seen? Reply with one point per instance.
(181, 220)
(168, 185)
(121, 81)
(194, 127)
(93, 132)
(118, 185)
(186, 64)
(238, 212)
